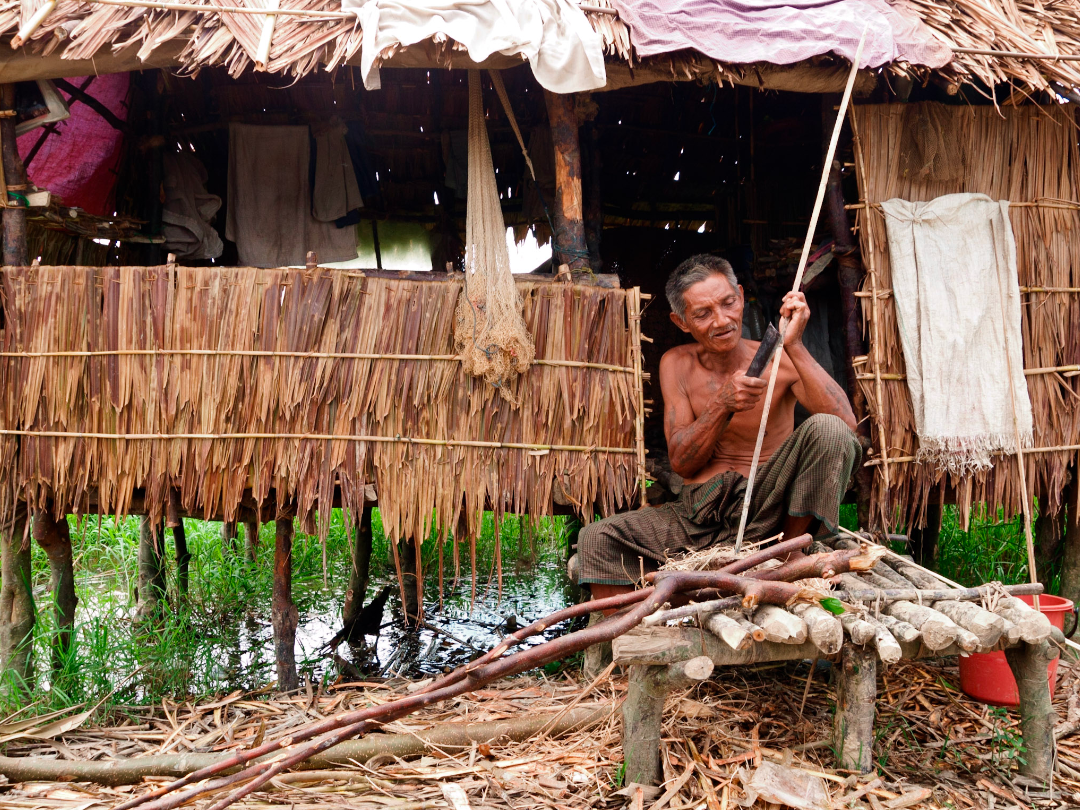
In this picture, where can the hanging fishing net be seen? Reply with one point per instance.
(489, 332)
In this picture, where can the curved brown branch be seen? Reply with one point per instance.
(824, 565)
(480, 672)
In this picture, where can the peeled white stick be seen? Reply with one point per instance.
(938, 630)
(861, 632)
(756, 633)
(1032, 625)
(779, 625)
(900, 630)
(825, 630)
(727, 630)
(888, 650)
(987, 627)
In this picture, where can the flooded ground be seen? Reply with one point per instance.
(221, 639)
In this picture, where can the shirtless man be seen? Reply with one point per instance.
(803, 473)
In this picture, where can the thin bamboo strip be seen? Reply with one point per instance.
(201, 8)
(1064, 205)
(300, 355)
(61, 434)
(633, 301)
(1030, 372)
(888, 293)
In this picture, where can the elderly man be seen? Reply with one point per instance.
(803, 473)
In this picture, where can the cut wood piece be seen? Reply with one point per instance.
(858, 630)
(986, 626)
(824, 629)
(913, 574)
(902, 631)
(885, 571)
(888, 650)
(728, 630)
(1033, 626)
(885, 583)
(779, 625)
(755, 632)
(938, 630)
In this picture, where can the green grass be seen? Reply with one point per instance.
(992, 548)
(219, 638)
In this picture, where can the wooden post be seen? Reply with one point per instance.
(251, 538)
(15, 249)
(151, 580)
(359, 574)
(924, 541)
(569, 238)
(228, 536)
(16, 602)
(853, 728)
(54, 537)
(594, 206)
(1037, 718)
(411, 581)
(1070, 562)
(284, 616)
(183, 556)
(643, 714)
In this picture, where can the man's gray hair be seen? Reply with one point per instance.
(690, 272)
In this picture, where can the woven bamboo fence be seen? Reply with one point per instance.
(232, 383)
(1028, 156)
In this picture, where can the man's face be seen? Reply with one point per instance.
(713, 314)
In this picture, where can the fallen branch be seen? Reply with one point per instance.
(320, 736)
(442, 736)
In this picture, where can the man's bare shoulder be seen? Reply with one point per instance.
(680, 357)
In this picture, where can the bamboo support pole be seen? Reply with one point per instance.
(542, 448)
(818, 202)
(1025, 503)
(874, 311)
(633, 301)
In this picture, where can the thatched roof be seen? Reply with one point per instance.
(321, 36)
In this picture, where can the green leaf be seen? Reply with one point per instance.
(833, 605)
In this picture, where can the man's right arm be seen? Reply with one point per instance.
(692, 441)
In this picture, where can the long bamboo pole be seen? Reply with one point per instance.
(830, 154)
(571, 448)
(300, 355)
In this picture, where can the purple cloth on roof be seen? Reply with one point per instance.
(742, 31)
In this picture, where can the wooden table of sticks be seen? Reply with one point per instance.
(895, 610)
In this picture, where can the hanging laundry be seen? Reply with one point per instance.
(335, 191)
(269, 214)
(189, 209)
(566, 54)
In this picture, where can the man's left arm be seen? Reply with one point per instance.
(816, 390)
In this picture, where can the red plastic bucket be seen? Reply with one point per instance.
(987, 677)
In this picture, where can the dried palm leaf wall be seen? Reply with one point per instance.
(1028, 156)
(237, 382)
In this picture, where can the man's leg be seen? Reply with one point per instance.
(806, 478)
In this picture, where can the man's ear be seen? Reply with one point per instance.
(679, 322)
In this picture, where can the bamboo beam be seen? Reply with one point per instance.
(60, 434)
